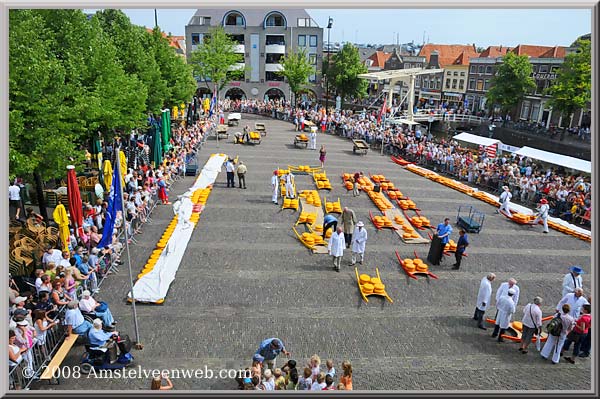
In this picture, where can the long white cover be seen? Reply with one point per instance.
(153, 286)
(556, 159)
(474, 139)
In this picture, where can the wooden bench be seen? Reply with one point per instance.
(57, 359)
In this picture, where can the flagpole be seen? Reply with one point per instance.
(138, 344)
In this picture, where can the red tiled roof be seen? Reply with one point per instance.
(173, 40)
(379, 58)
(540, 51)
(494, 51)
(462, 59)
(448, 53)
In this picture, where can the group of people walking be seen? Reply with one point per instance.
(570, 325)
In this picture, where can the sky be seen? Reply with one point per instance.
(508, 27)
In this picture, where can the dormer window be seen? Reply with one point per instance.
(234, 18)
(275, 19)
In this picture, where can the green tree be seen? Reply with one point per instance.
(512, 81)
(572, 88)
(215, 59)
(296, 70)
(344, 71)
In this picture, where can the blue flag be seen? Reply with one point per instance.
(213, 103)
(115, 204)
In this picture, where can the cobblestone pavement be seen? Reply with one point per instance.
(245, 277)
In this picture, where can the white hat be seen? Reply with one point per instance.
(20, 299)
(86, 293)
(23, 323)
(511, 291)
(505, 188)
(360, 224)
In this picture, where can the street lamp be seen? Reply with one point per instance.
(329, 25)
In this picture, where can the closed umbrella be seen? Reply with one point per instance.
(62, 220)
(107, 171)
(166, 129)
(122, 167)
(156, 147)
(75, 205)
(97, 152)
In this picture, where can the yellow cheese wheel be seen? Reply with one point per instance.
(378, 286)
(410, 267)
(408, 260)
(375, 281)
(406, 236)
(328, 234)
(421, 268)
(364, 278)
(318, 227)
(368, 287)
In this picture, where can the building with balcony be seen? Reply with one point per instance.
(264, 37)
(481, 71)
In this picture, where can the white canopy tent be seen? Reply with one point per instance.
(474, 139)
(556, 159)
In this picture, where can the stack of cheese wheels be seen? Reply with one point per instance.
(387, 222)
(392, 194)
(409, 265)
(337, 207)
(419, 265)
(304, 194)
(303, 137)
(310, 200)
(328, 206)
(287, 202)
(364, 278)
(425, 222)
(318, 239)
(407, 228)
(390, 186)
(416, 221)
(320, 184)
(411, 204)
(367, 288)
(404, 204)
(348, 185)
(302, 218)
(294, 203)
(318, 227)
(329, 232)
(327, 184)
(379, 221)
(311, 218)
(379, 288)
(451, 246)
(308, 239)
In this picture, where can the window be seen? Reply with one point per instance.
(275, 39)
(543, 69)
(454, 83)
(488, 70)
(239, 39)
(274, 19)
(471, 84)
(461, 84)
(525, 110)
(302, 40)
(480, 84)
(273, 58)
(473, 68)
(480, 69)
(312, 78)
(448, 73)
(425, 83)
(313, 40)
(447, 83)
(486, 86)
(540, 86)
(195, 39)
(306, 23)
(554, 69)
(312, 59)
(455, 73)
(462, 73)
(234, 19)
(439, 84)
(301, 22)
(535, 68)
(432, 84)
(273, 76)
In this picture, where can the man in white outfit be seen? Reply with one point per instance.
(571, 281)
(337, 244)
(313, 140)
(575, 300)
(483, 299)
(275, 186)
(289, 186)
(359, 240)
(504, 287)
(505, 198)
(542, 214)
(506, 307)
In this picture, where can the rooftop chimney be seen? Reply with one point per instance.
(434, 59)
(474, 48)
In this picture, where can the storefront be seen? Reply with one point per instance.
(455, 99)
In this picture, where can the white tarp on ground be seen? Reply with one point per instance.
(472, 138)
(153, 286)
(556, 159)
(521, 209)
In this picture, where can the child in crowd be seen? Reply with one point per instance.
(346, 377)
(305, 382)
(330, 368)
(341, 387)
(319, 385)
(315, 365)
(279, 380)
(328, 383)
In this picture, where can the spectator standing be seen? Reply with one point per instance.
(554, 343)
(532, 323)
(241, 173)
(157, 383)
(14, 198)
(483, 299)
(348, 220)
(346, 377)
(322, 155)
(230, 169)
(581, 329)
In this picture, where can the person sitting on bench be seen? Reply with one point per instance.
(74, 320)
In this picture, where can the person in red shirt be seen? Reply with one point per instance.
(580, 330)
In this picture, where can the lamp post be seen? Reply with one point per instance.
(329, 25)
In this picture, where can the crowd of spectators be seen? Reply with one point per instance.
(569, 195)
(61, 292)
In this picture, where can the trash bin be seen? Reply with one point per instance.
(435, 250)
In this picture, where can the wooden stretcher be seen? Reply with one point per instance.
(360, 146)
(260, 127)
(401, 161)
(315, 248)
(380, 226)
(391, 214)
(254, 138)
(518, 220)
(318, 211)
(333, 207)
(222, 132)
(516, 328)
(415, 273)
(415, 224)
(399, 203)
(325, 183)
(304, 169)
(365, 293)
(301, 141)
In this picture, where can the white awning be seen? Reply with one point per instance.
(396, 121)
(556, 159)
(471, 138)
